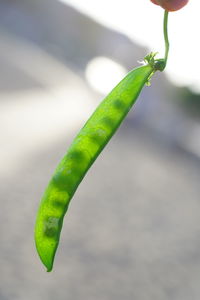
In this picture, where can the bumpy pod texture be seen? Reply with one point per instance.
(83, 151)
(171, 5)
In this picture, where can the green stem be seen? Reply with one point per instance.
(165, 28)
(160, 64)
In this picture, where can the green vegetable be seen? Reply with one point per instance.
(85, 148)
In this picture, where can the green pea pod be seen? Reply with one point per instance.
(83, 151)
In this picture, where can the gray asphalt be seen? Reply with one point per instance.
(131, 232)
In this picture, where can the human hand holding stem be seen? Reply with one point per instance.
(167, 5)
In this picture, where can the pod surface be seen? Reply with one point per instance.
(83, 151)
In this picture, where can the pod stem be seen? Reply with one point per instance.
(159, 64)
(166, 38)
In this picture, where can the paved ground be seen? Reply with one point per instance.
(132, 230)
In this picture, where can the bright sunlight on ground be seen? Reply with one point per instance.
(95, 71)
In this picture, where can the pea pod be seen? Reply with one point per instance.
(83, 151)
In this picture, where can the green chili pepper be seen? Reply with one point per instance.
(85, 148)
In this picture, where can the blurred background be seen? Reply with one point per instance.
(132, 229)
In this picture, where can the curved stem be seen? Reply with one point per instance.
(160, 64)
(165, 29)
